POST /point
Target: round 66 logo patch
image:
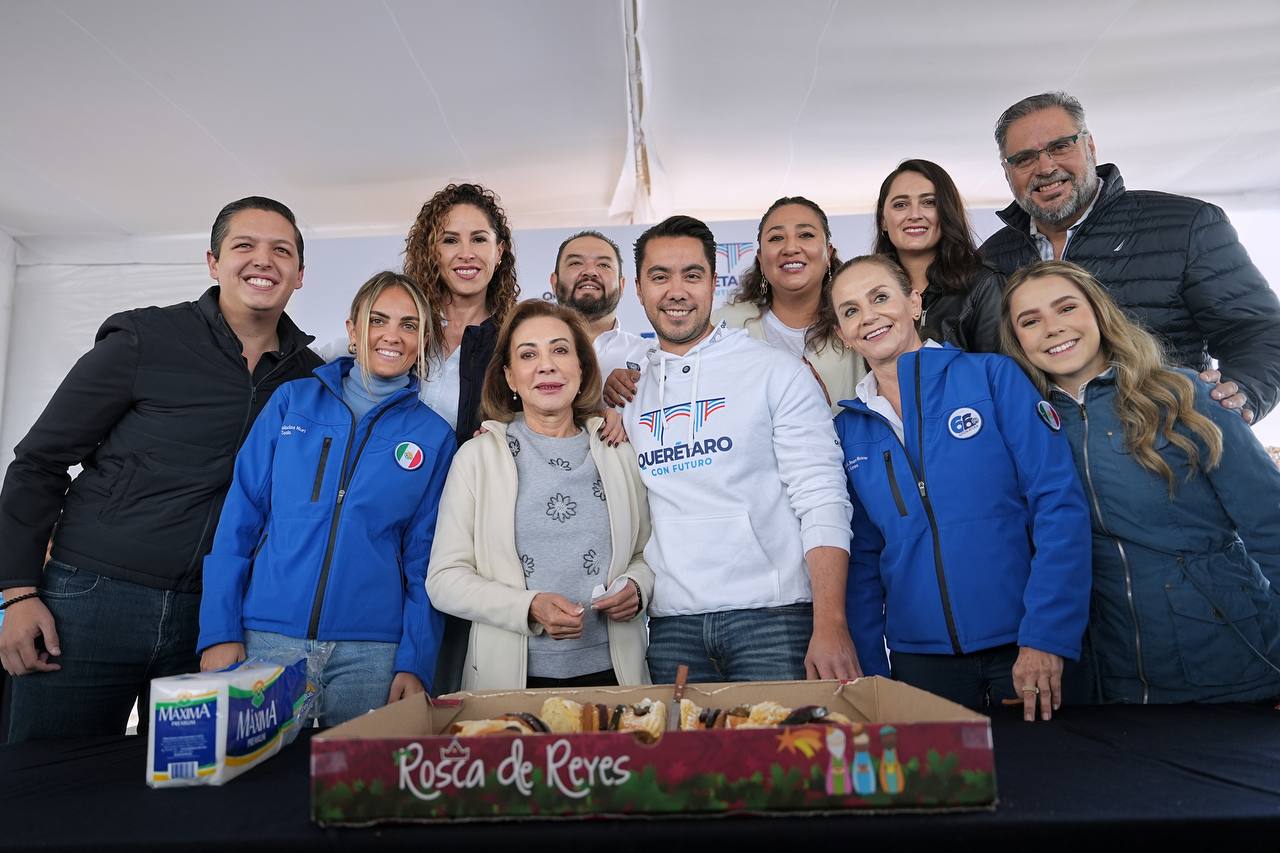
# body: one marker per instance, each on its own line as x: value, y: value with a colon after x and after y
x: 964, y: 423
x: 1049, y: 415
x: 409, y: 456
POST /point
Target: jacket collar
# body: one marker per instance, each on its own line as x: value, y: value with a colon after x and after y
x: 1112, y: 188
x: 291, y: 337
x: 938, y: 358
x: 332, y: 374
x: 1099, y: 384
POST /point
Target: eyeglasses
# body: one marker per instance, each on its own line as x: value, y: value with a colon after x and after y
x: 1058, y: 148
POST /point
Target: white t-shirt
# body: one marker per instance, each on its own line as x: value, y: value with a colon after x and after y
x: 444, y: 384
x: 868, y: 391
x: 778, y: 334
x: 619, y: 348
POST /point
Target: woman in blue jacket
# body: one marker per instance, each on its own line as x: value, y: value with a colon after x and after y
x: 324, y: 539
x: 1186, y: 503
x: 970, y: 552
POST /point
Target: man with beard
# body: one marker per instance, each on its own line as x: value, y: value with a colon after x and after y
x: 588, y: 278
x: 1173, y: 263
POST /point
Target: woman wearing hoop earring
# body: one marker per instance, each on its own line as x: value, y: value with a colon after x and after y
x: 783, y: 299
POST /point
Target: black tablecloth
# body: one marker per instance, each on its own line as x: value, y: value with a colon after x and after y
x: 1120, y: 773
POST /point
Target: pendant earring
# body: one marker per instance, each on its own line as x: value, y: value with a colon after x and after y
x: 764, y: 286
x: 352, y: 349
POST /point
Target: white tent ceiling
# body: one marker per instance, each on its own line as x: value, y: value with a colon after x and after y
x: 142, y: 117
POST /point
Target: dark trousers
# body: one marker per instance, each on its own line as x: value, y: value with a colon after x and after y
x: 978, y: 680
x: 603, y: 678
x: 115, y: 637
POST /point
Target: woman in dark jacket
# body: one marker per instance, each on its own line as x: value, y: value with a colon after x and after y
x: 921, y: 224
x: 1185, y: 501
x: 459, y: 252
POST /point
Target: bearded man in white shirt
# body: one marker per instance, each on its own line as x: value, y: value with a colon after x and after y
x: 588, y: 278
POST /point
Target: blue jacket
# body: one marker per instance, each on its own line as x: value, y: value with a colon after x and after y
x: 972, y: 532
x: 327, y: 528
x: 1198, y: 598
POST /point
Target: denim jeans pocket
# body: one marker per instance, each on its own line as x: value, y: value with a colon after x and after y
x: 63, y: 581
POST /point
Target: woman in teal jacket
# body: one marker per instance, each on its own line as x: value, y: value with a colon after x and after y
x: 970, y: 534
x: 1186, y: 503
x: 323, y: 543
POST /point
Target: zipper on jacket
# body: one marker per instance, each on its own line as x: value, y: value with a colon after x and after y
x: 244, y: 430
x: 893, y: 483
x: 933, y: 521
x: 344, y: 481
x: 1124, y: 558
x: 324, y: 457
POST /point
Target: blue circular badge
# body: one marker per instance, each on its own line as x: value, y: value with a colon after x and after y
x: 964, y: 423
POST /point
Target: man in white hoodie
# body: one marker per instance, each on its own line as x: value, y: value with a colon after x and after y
x: 750, y: 512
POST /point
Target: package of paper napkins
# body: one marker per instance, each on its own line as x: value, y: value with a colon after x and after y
x: 209, y: 727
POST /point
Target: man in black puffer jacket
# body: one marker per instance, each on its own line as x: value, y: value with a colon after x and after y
x: 1173, y: 263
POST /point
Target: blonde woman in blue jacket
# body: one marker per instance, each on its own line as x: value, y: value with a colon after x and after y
x: 1185, y: 501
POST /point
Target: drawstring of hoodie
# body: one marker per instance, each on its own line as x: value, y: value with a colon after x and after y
x: 693, y: 396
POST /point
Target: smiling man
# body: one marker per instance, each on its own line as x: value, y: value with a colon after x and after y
x: 750, y: 544
x: 588, y: 278
x: 1173, y: 263
x: 155, y: 413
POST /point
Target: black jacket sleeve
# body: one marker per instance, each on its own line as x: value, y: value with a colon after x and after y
x: 980, y: 316
x: 1234, y: 307
x: 92, y: 398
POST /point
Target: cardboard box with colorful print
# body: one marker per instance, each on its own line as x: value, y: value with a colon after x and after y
x: 900, y: 749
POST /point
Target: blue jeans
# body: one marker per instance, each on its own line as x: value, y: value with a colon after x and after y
x: 354, y: 675
x: 115, y: 637
x: 768, y: 644
x: 978, y: 680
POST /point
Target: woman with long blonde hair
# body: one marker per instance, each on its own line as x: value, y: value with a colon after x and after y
x: 1185, y: 501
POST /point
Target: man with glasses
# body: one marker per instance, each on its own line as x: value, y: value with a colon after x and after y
x: 1173, y: 263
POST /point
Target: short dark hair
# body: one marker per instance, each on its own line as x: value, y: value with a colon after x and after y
x: 589, y: 233
x: 679, y: 226
x: 1034, y: 104
x: 254, y: 202
x: 497, y: 400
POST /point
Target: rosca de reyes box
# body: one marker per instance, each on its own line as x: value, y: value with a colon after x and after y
x: 873, y: 745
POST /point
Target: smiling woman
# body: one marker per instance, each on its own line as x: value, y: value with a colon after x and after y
x: 980, y: 593
x: 921, y: 224
x: 339, y: 479
x: 1186, y: 549
x: 543, y: 524
x: 459, y: 252
x: 782, y: 297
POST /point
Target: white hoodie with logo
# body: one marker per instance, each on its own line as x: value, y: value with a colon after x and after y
x: 736, y: 446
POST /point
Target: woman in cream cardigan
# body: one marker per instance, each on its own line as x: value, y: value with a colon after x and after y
x: 536, y: 513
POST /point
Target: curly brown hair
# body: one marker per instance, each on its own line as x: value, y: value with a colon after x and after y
x: 752, y: 287
x: 421, y: 265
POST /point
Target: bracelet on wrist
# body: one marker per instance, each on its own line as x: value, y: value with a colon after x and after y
x: 15, y: 600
